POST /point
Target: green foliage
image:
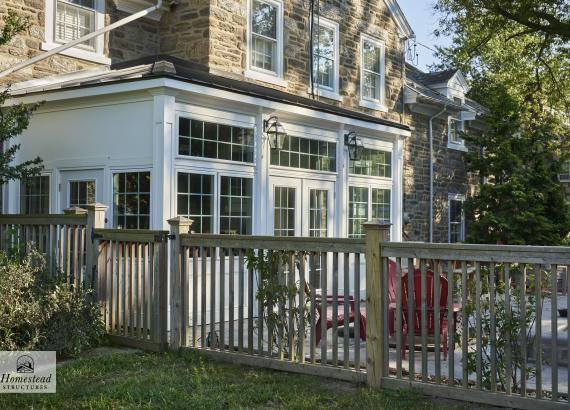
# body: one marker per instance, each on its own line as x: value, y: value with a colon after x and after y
x: 275, y: 288
x: 508, y: 325
x: 44, y: 313
x: 520, y: 200
x: 14, y: 119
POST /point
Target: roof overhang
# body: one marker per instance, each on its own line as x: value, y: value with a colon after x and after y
x: 404, y: 28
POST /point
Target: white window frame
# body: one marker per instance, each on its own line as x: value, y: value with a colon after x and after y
x: 566, y: 171
x: 457, y: 198
x: 49, y: 194
x: 256, y: 73
x: 111, y: 193
x: 320, y: 90
x: 458, y: 143
x: 96, y: 55
x: 374, y: 104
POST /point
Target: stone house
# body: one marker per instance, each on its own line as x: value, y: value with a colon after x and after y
x: 265, y: 117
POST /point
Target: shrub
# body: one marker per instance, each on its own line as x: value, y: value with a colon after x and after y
x: 40, y: 312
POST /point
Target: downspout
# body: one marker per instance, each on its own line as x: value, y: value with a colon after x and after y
x: 431, y: 171
x: 86, y: 37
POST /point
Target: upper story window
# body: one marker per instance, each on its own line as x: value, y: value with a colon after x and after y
x: 372, y: 79
x: 305, y: 153
x: 454, y: 129
x: 326, y: 59
x: 209, y: 140
x: 265, y: 43
x: 374, y: 163
x: 68, y: 20
x: 456, y: 218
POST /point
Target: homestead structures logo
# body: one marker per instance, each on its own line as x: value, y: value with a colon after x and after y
x: 27, y: 372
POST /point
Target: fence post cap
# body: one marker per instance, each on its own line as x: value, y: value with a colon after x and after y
x: 376, y: 224
x: 75, y: 210
x: 180, y: 221
x: 96, y: 207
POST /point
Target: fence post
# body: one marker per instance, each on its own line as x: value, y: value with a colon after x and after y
x: 178, y: 226
x: 376, y: 232
x: 95, y: 220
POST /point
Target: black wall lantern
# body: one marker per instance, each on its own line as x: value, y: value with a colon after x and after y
x: 275, y: 132
x: 355, y: 146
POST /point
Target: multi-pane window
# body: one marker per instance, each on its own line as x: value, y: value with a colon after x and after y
x: 196, y: 200
x: 357, y: 211
x: 34, y: 195
x: 81, y: 193
x: 456, y: 221
x: 209, y: 140
x: 372, y: 71
x: 362, y: 202
x: 236, y: 196
x: 284, y: 211
x: 372, y: 163
x: 381, y: 204
x: 305, y: 153
x: 455, y: 128
x: 318, y: 217
x: 131, y: 200
x: 325, y: 55
x: 264, y: 35
x: 74, y: 19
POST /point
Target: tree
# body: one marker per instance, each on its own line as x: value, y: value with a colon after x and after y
x: 520, y: 200
x: 14, y: 119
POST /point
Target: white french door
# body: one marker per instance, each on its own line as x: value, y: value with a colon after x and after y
x: 301, y: 207
x: 80, y: 188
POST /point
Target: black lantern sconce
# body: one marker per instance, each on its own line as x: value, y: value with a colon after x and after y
x: 275, y: 132
x: 355, y: 146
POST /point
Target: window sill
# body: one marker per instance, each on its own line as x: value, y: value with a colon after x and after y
x: 457, y: 146
x: 373, y: 105
x: 331, y: 95
x: 266, y: 78
x: 78, y: 53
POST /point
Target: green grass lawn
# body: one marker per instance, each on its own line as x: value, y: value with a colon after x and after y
x: 187, y: 380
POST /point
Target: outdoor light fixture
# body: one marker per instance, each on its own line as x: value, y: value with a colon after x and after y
x: 275, y: 132
x: 355, y: 146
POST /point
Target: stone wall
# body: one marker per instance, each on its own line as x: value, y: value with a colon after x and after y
x: 136, y: 39
x: 450, y: 177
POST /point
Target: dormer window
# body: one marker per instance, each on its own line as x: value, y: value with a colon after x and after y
x: 265, y: 43
x: 68, y: 20
x: 372, y: 81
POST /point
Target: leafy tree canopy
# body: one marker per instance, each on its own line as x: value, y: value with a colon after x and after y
x: 14, y: 119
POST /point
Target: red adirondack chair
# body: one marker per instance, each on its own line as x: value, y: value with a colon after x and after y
x: 412, y: 322
x: 340, y: 317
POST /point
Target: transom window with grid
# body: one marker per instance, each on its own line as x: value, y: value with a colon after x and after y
x: 373, y: 163
x: 131, y: 200
x: 305, y: 153
x: 75, y: 19
x: 34, y: 195
x: 265, y: 18
x: 218, y: 141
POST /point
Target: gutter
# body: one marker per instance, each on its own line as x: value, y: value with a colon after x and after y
x: 431, y: 159
x: 86, y: 37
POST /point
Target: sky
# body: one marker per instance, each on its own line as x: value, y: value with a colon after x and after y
x: 421, y: 17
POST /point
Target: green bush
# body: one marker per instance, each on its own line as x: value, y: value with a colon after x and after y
x: 39, y: 312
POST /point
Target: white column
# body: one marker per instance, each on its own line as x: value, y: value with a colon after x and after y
x: 162, y: 177
x: 261, y: 183
x: 398, y: 190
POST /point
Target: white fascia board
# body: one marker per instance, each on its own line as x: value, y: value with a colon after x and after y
x: 151, y: 85
x: 404, y: 26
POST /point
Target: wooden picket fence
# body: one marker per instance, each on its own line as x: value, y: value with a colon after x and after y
x: 302, y: 304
